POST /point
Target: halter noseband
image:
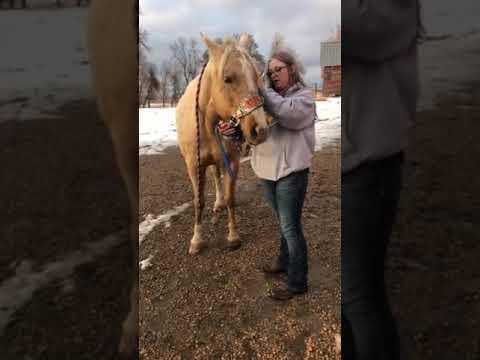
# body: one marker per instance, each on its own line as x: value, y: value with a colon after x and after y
x: 246, y: 107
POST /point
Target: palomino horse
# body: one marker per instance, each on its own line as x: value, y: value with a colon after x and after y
x: 112, y: 40
x: 229, y: 82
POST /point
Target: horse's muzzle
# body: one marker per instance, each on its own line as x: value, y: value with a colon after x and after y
x: 257, y: 135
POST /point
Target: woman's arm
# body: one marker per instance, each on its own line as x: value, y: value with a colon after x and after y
x: 292, y: 112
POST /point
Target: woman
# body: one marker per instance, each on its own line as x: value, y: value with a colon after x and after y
x: 282, y: 163
x: 379, y: 81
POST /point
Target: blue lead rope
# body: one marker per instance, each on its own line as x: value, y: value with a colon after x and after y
x: 226, y: 160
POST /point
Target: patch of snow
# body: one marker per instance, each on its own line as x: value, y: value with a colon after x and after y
x: 146, y: 263
x: 328, y: 127
x: 17, y: 290
x: 156, y: 130
x: 150, y: 222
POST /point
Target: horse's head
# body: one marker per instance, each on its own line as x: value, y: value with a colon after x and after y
x: 234, y: 86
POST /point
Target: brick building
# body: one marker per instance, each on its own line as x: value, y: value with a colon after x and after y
x: 331, y: 63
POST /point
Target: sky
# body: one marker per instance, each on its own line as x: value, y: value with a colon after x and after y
x: 303, y: 23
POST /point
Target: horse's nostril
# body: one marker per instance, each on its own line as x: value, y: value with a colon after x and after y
x: 254, y: 133
x: 259, y: 132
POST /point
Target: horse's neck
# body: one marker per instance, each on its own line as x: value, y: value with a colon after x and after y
x: 205, y: 103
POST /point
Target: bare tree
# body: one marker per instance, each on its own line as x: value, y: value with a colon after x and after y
x: 143, y: 66
x: 175, y: 83
x: 143, y: 39
x: 153, y: 84
x: 142, y: 75
x: 186, y: 55
x: 163, y: 77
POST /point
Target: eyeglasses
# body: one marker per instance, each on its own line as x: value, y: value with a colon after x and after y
x: 276, y: 70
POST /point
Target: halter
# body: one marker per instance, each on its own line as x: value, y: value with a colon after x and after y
x: 248, y: 105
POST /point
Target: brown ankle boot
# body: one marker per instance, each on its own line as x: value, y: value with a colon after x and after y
x: 273, y: 268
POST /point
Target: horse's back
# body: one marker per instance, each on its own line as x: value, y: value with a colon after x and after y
x: 185, y: 118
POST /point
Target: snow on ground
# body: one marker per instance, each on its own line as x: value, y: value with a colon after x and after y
x: 145, y: 264
x: 147, y: 225
x: 157, y: 127
x: 156, y: 130
x: 18, y: 289
x: 328, y: 128
x: 43, y: 62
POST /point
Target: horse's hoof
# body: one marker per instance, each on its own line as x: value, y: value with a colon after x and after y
x: 195, y: 248
x: 218, y: 208
x: 233, y: 245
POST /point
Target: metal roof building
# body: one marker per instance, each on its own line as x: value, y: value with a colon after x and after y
x: 330, y: 53
x: 331, y: 64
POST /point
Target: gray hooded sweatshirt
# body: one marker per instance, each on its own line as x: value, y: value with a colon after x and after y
x: 379, y: 78
x: 291, y: 142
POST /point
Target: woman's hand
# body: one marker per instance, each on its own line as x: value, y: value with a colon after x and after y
x: 226, y: 130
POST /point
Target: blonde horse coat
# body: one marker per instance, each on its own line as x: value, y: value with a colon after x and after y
x: 112, y: 40
x: 230, y: 76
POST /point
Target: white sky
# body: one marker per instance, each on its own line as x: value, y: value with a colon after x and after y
x: 303, y: 23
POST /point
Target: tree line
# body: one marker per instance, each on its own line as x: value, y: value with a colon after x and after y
x: 166, y: 82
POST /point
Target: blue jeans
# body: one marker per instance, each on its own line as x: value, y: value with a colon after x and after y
x: 286, y: 197
x: 370, y: 197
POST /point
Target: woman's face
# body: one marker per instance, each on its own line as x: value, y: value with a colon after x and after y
x: 279, y: 75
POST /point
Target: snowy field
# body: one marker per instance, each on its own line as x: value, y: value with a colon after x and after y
x: 43, y: 61
x: 157, y: 127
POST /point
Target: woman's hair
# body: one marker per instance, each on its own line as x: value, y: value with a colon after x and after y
x: 289, y: 57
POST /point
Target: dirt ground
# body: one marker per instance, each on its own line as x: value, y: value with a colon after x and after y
x: 61, y: 191
x: 61, y: 194
x: 433, y: 266
x: 215, y: 305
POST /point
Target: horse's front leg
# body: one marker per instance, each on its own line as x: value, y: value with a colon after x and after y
x: 198, y: 186
x: 219, y: 197
x: 233, y: 242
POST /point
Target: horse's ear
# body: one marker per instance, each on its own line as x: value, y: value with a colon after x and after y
x: 245, y: 41
x: 215, y: 50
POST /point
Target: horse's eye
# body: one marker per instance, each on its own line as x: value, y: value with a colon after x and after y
x: 227, y: 79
